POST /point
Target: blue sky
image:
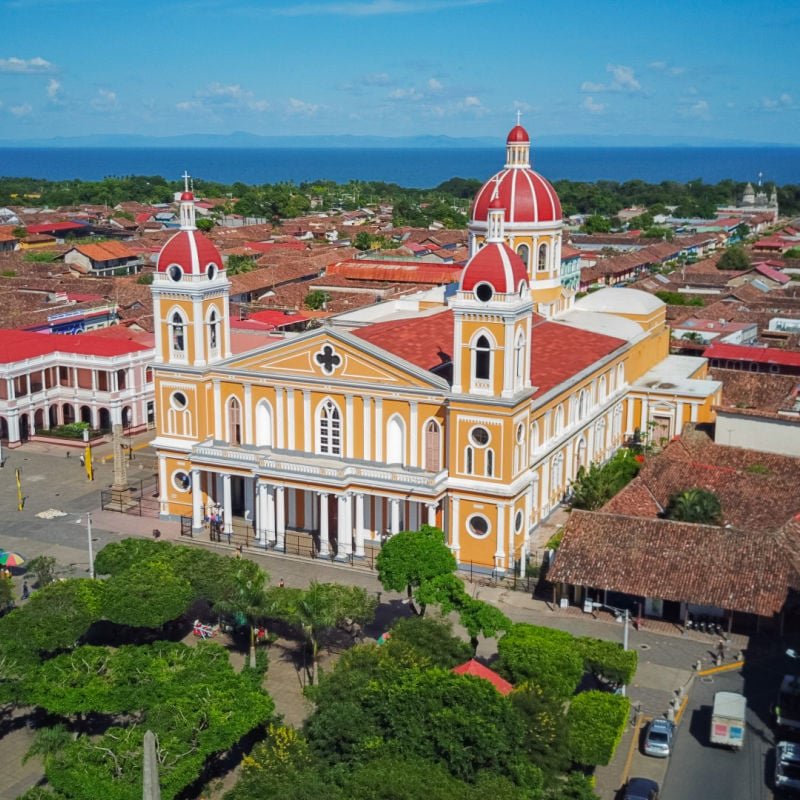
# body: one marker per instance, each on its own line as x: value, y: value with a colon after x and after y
x: 724, y: 70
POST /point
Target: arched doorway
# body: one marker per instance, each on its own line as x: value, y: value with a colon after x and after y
x: 68, y: 413
x: 3, y: 428
x: 105, y: 419
x: 38, y: 419
x: 86, y: 414
x: 53, y: 416
x: 24, y: 428
x: 127, y: 417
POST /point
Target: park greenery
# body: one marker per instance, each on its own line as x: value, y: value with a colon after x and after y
x: 102, y: 662
x: 595, y: 486
x: 446, y: 203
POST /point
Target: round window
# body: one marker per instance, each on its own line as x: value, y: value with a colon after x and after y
x: 175, y: 272
x: 518, y: 522
x: 478, y: 526
x: 211, y: 271
x: 181, y: 481
x: 484, y: 292
x: 178, y: 400
x: 479, y: 436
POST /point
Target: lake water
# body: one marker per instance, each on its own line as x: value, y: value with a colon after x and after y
x: 420, y: 168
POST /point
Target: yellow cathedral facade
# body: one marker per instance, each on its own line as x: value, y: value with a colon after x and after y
x: 470, y: 407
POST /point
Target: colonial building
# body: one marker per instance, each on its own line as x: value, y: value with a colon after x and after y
x: 470, y: 407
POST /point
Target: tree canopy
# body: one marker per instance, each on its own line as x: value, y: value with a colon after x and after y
x: 695, y: 505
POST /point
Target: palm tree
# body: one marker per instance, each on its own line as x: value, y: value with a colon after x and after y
x: 695, y: 505
x: 245, y: 598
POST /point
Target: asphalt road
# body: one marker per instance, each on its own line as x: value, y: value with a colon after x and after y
x: 700, y: 771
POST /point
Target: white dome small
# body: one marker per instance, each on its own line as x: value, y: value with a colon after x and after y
x: 616, y: 300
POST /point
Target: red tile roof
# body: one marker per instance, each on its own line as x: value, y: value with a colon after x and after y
x: 396, y: 271
x: 759, y: 355
x: 473, y: 667
x: 46, y: 227
x: 16, y: 345
x: 105, y: 251
x: 275, y: 318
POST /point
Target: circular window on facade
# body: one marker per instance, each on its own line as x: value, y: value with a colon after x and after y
x: 518, y: 519
x: 211, y: 271
x: 484, y: 292
x: 479, y: 436
x: 175, y: 272
x: 478, y: 526
x: 178, y: 400
x: 181, y: 481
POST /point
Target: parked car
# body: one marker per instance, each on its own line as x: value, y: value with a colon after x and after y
x: 787, y: 765
x: 641, y: 789
x: 658, y: 738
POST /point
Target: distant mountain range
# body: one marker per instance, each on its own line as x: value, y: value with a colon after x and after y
x: 242, y: 140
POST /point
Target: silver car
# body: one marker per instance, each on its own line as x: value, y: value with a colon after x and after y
x: 658, y: 739
x: 787, y: 766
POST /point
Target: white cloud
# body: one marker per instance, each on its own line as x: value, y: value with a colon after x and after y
x: 783, y: 102
x: 21, y: 65
x: 104, y: 99
x: 374, y: 8
x: 434, y: 85
x: 189, y: 105
x: 21, y: 111
x: 53, y: 88
x: 521, y: 105
x: 472, y: 102
x: 623, y: 79
x: 405, y: 94
x: 296, y: 106
x: 700, y: 109
x: 663, y: 66
x: 218, y: 96
x: 593, y: 107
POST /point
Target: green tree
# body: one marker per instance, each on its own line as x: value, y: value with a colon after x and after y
x: 6, y: 593
x: 595, y: 486
x: 410, y: 558
x: 205, y: 224
x: 246, y: 598
x: 695, y: 505
x: 596, y: 224
x: 238, y: 264
x: 596, y: 722
x: 316, y: 300
x: 607, y: 660
x: 482, y: 619
x: 734, y: 258
x: 431, y: 641
x: 362, y: 240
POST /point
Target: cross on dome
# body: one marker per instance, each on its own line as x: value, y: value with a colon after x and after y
x: 186, y: 177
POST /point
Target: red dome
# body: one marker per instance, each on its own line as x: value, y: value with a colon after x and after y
x: 526, y: 196
x: 496, y: 264
x: 187, y: 196
x: 518, y: 135
x: 191, y: 251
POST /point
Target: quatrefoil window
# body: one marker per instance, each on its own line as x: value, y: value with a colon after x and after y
x: 328, y: 359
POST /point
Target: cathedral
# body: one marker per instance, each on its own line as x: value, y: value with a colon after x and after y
x: 469, y: 407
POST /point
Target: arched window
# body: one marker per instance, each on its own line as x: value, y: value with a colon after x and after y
x: 490, y: 462
x: 213, y: 333
x: 432, y: 447
x: 557, y: 474
x: 469, y: 461
x: 177, y: 336
x: 534, y: 436
x: 602, y: 391
x: 263, y: 424
x: 583, y: 404
x: 558, y: 428
x: 523, y: 251
x: 599, y: 438
x: 395, y: 441
x: 519, y: 362
x: 234, y: 421
x: 483, y: 359
x: 542, y: 265
x: 330, y: 429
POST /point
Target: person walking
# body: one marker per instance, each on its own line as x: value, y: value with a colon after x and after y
x: 25, y: 591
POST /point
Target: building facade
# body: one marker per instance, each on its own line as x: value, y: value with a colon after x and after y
x: 470, y: 409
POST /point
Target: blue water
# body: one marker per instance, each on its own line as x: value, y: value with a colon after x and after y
x: 420, y: 168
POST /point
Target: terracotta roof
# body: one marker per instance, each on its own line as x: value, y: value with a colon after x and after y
x: 473, y: 667
x: 16, y: 345
x: 754, y: 390
x: 682, y: 562
x: 395, y: 271
x: 105, y: 251
x: 757, y: 355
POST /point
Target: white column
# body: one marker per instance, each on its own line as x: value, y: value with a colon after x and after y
x: 323, y: 524
x: 629, y: 424
x: 500, y: 552
x: 307, y: 428
x: 291, y: 501
x: 249, y: 436
x: 379, y: 524
x: 248, y: 498
x: 644, y: 418
x: 271, y: 536
x: 218, y: 435
x: 395, y: 519
x: 378, y: 429
x: 679, y: 418
x: 280, y: 419
x: 348, y: 426
x: 695, y: 406
x: 431, y: 514
x: 413, y: 516
x: 280, y: 516
x: 226, y: 504
x: 455, y: 528
x: 367, y: 428
x: 162, y: 475
x: 360, y: 525
x: 290, y: 421
x: 197, y: 501
x: 308, y: 510
x: 261, y: 513
x: 344, y: 533
x: 413, y: 434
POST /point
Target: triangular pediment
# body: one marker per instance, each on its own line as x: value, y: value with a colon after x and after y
x: 335, y: 357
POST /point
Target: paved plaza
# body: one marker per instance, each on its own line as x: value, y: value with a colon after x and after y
x: 54, y: 522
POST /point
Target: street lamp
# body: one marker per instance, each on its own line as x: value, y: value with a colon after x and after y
x: 89, y: 538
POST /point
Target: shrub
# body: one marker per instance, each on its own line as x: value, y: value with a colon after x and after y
x: 596, y: 721
x: 429, y: 640
x: 607, y: 660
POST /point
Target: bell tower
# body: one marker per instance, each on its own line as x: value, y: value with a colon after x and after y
x: 190, y: 289
x: 492, y: 325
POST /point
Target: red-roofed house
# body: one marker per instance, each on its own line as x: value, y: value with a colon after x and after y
x: 48, y: 380
x: 754, y: 359
x: 475, y: 668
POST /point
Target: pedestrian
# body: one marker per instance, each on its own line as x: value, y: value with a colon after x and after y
x: 239, y: 551
x: 25, y: 591
x: 83, y: 460
x: 281, y: 584
x: 721, y: 649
